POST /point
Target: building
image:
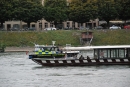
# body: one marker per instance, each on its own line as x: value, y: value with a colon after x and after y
x: 41, y: 24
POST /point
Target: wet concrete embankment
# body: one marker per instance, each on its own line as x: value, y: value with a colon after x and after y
x: 19, y: 49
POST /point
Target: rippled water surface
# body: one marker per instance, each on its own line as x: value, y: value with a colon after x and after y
x: 16, y: 70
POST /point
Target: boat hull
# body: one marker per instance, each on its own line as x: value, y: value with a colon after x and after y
x: 82, y: 62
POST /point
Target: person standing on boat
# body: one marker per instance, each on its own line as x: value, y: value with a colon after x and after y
x: 88, y: 57
x: 126, y: 55
x: 81, y: 57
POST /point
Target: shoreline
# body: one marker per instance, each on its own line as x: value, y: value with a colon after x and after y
x: 19, y: 49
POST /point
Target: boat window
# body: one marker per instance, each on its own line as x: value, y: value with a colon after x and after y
x: 69, y: 55
x: 103, y: 53
x: 95, y: 54
x: 110, y: 53
x: 117, y: 53
x: 100, y: 53
x: 121, y: 53
x: 56, y: 49
x: 37, y: 48
x: 113, y: 53
x: 41, y: 48
x: 52, y: 49
x: 47, y: 48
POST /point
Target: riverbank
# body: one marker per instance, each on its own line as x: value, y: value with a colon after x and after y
x: 19, y: 49
x: 62, y: 37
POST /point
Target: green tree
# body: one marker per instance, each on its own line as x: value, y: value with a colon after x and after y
x: 124, y: 11
x: 55, y: 11
x: 5, y: 11
x: 107, y: 10
x: 27, y: 11
x: 82, y: 11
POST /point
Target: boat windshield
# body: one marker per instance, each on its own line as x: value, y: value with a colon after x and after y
x: 47, y: 48
x: 54, y: 49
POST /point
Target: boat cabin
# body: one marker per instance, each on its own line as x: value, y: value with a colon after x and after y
x: 111, y: 53
x: 42, y: 49
x: 115, y: 51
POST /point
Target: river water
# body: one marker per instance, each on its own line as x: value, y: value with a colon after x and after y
x: 16, y: 70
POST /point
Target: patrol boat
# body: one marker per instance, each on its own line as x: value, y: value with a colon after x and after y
x: 102, y: 55
x: 50, y: 51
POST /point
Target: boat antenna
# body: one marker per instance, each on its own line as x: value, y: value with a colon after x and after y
x: 53, y: 43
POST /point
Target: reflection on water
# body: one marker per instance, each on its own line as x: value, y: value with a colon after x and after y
x: 19, y: 71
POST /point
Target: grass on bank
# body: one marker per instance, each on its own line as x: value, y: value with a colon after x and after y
x: 63, y: 37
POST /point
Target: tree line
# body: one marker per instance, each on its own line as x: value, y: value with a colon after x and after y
x: 58, y: 11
